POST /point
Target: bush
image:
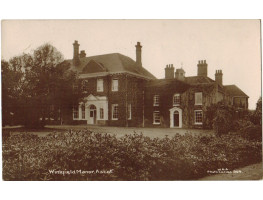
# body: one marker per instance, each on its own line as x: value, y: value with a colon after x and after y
x: 223, y: 122
x: 131, y: 157
x: 252, y: 132
x: 239, y: 125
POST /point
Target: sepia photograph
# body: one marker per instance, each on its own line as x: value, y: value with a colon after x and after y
x: 131, y: 100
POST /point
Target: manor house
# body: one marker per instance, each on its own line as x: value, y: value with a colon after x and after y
x: 121, y: 92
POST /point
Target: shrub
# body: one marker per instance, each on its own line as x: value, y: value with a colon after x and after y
x: 238, y: 125
x: 252, y: 132
x: 222, y: 122
x: 132, y: 157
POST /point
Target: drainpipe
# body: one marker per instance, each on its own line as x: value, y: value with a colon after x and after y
x: 143, y: 108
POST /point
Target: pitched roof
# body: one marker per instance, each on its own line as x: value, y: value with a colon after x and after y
x: 114, y: 62
x: 233, y: 90
x: 177, y: 85
x: 198, y: 79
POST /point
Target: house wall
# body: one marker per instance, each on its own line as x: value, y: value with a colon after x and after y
x: 240, y: 102
x: 209, y: 96
x: 130, y: 91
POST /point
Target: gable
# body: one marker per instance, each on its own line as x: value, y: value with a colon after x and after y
x: 233, y: 90
x: 93, y: 67
x: 95, y: 98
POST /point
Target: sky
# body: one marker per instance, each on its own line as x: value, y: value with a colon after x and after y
x: 230, y: 45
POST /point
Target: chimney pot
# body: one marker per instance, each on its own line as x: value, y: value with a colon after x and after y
x: 138, y: 54
x: 169, y: 72
x: 219, y: 77
x: 76, y: 60
x: 202, y: 68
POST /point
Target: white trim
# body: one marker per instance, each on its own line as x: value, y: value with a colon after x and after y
x: 172, y: 110
x: 177, y: 95
x: 156, y: 123
x: 98, y: 102
x: 129, y: 111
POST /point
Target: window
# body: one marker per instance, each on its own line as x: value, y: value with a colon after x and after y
x: 198, y: 98
x: 83, y: 111
x: 198, y: 117
x: 176, y: 99
x: 75, y: 112
x: 99, y: 85
x: 101, y: 113
x: 115, y: 111
x: 84, y: 85
x: 129, y: 111
x: 156, y: 100
x: 115, y: 85
x: 75, y: 87
x: 156, y: 117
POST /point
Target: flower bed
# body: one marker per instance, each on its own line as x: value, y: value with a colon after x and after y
x: 83, y: 155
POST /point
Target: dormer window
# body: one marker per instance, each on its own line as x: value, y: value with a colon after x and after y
x: 176, y: 99
x: 100, y: 85
x: 156, y: 100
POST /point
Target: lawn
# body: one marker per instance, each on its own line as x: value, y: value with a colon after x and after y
x: 118, y: 131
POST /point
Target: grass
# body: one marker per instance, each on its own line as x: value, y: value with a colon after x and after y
x: 118, y: 131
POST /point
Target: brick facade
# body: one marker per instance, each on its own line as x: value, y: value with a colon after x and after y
x: 183, y: 101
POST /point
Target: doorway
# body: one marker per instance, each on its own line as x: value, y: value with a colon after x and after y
x: 176, y: 118
x: 92, y: 115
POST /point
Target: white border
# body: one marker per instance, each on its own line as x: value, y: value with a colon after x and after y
x: 135, y: 9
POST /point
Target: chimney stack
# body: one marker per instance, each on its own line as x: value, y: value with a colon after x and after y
x: 82, y: 54
x: 169, y: 71
x: 202, y: 68
x: 219, y: 77
x: 138, y: 54
x: 76, y: 53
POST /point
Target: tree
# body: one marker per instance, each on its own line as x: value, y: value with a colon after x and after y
x: 256, y: 116
x: 45, y: 86
x: 220, y: 117
x: 12, y: 76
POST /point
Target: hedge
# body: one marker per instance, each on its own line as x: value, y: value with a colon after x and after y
x: 131, y: 157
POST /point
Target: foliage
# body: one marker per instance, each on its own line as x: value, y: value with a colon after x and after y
x: 252, y: 132
x: 223, y: 122
x: 11, y: 82
x: 131, y: 157
x: 220, y: 117
x: 40, y: 85
x: 256, y: 116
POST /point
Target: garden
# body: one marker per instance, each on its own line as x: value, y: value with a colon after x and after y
x: 84, y: 155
